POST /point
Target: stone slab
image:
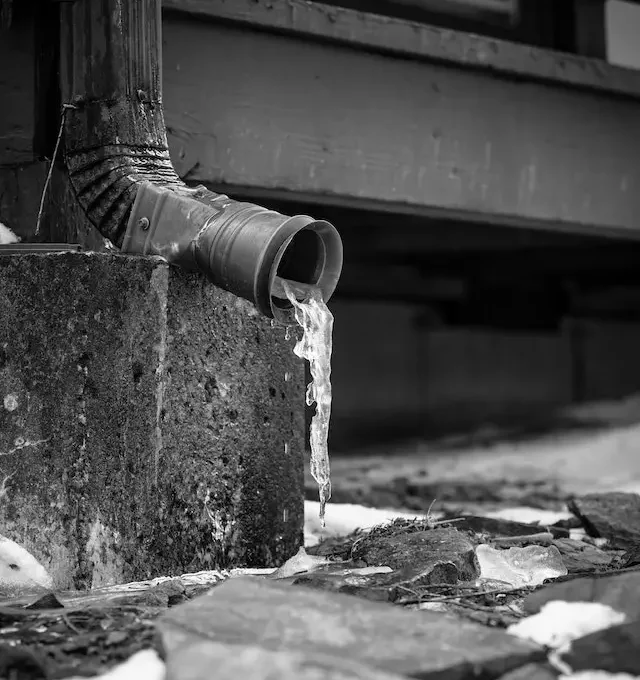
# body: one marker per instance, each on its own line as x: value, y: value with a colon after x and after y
x: 618, y: 590
x: 614, y: 650
x: 253, y: 611
x: 150, y: 423
x: 193, y: 660
x: 614, y: 516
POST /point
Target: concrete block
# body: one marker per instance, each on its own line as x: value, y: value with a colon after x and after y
x: 150, y: 423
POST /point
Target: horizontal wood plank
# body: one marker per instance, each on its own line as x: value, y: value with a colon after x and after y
x: 314, y: 20
x: 277, y: 113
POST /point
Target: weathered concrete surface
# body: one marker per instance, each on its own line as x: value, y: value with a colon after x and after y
x: 149, y: 422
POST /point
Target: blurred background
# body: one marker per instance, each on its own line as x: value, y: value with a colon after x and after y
x: 450, y: 330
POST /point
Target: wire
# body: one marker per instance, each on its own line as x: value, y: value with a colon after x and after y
x: 63, y: 115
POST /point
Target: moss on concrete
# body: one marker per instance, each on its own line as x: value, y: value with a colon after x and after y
x: 151, y: 423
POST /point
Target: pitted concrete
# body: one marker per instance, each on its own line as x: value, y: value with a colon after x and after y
x: 150, y: 423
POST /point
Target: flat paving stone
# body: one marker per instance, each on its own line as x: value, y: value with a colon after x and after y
x: 189, y: 660
x: 418, y: 644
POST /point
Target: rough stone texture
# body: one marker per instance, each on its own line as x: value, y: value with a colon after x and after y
x: 614, y: 650
x: 149, y: 422
x: 615, y: 516
x: 425, y: 557
x: 581, y: 557
x: 620, y: 591
x: 193, y: 660
x: 253, y: 611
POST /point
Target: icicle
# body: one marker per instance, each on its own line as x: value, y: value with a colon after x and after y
x: 315, y: 346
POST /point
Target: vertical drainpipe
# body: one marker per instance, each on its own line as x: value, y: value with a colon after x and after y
x: 117, y: 158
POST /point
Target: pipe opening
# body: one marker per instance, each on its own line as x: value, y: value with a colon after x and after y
x: 303, y: 261
x: 312, y: 256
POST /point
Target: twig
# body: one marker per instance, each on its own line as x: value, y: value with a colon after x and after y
x: 449, y: 598
x: 63, y: 115
x: 76, y: 630
x: 541, y: 538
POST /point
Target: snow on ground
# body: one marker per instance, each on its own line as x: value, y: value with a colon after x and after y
x: 342, y: 519
x: 559, y: 623
x: 7, y: 236
x: 579, y: 462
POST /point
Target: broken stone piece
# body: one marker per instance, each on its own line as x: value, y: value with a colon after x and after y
x: 276, y: 617
x: 618, y: 590
x: 48, y: 601
x: 432, y: 555
x: 614, y: 516
x: 579, y: 556
x: 613, y: 649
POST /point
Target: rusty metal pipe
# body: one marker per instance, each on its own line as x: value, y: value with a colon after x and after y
x: 117, y: 158
x: 240, y: 247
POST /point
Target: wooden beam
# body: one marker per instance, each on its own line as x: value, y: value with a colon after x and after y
x: 389, y: 35
x: 273, y: 113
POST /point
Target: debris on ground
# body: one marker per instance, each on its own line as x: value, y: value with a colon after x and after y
x: 516, y: 593
x: 292, y: 618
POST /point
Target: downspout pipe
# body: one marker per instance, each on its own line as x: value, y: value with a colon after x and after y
x: 117, y: 158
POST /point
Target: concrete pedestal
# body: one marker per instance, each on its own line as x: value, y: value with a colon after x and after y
x: 150, y: 423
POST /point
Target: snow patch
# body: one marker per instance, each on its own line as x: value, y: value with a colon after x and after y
x: 343, y: 519
x: 143, y: 664
x: 7, y: 236
x: 20, y: 571
x: 559, y: 623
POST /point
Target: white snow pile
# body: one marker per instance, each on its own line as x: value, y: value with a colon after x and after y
x: 20, y: 571
x: 7, y: 236
x: 143, y: 665
x: 558, y: 623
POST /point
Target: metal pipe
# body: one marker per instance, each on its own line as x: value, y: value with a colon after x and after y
x: 118, y: 162
x: 240, y: 247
